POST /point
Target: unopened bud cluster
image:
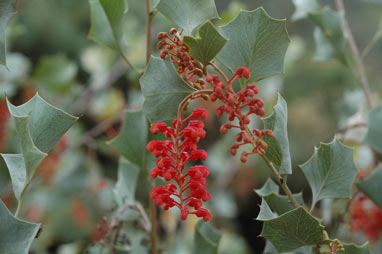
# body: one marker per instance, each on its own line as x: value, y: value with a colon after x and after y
x: 234, y: 105
x: 189, y: 189
x: 171, y: 45
x: 335, y: 246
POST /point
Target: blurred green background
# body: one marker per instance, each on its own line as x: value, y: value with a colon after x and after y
x: 49, y: 52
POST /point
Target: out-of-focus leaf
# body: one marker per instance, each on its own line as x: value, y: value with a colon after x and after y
x: 374, y: 133
x: 188, y: 14
x: 303, y: 7
x: 280, y: 204
x: 351, y: 248
x: 16, y: 235
x: 330, y: 171
x: 265, y: 211
x: 278, y: 146
x: 55, y: 73
x: 127, y: 180
x: 324, y: 51
x: 106, y: 19
x: 329, y: 22
x: 207, y: 46
x: 7, y: 9
x: 256, y: 41
x: 39, y: 127
x: 372, y: 186
x: 206, y: 238
x: 268, y: 187
x: 131, y: 141
x: 163, y: 90
x: 270, y: 249
x: 292, y: 230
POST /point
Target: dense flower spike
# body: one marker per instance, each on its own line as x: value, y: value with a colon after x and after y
x: 234, y: 105
x: 190, y: 188
x: 172, y: 45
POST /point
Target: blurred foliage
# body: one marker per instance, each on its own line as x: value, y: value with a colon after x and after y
x: 49, y: 53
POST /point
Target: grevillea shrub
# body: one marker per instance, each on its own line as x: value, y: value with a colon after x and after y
x: 169, y: 177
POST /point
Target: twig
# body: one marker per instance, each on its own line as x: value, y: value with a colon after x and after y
x: 356, y: 55
x: 149, y: 18
x: 352, y: 126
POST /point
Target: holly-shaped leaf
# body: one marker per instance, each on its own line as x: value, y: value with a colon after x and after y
x: 256, y: 41
x: 351, y: 248
x: 131, y: 141
x: 303, y: 7
x: 7, y: 9
x: 188, y: 14
x: 331, y: 171
x: 278, y: 146
x: 39, y: 127
x: 163, y: 90
x: 334, y: 42
x: 292, y: 230
x: 280, y: 204
x: 127, y: 179
x: 106, y: 20
x: 16, y: 235
x: 372, y: 187
x: 268, y: 187
x: 207, y: 46
x: 265, y: 211
x: 206, y: 238
x: 374, y: 133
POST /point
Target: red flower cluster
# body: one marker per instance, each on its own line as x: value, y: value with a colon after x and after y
x: 173, y: 154
x: 190, y: 69
x: 4, y: 115
x: 234, y: 103
x: 366, y: 217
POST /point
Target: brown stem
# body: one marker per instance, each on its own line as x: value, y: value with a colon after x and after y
x: 355, y: 53
x: 219, y: 71
x: 189, y: 97
x: 149, y: 18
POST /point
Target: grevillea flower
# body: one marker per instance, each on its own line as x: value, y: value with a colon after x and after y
x: 234, y: 104
x: 190, y: 69
x: 187, y: 189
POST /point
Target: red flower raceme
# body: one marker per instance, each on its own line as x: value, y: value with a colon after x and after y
x: 366, y: 217
x: 234, y: 105
x: 189, y: 189
x: 190, y: 69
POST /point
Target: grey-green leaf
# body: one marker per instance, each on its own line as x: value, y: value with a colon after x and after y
x: 351, y: 248
x: 292, y: 230
x: 329, y: 22
x: 331, y: 171
x: 39, y: 126
x: 207, y: 46
x: 206, y: 238
x: 55, y: 74
x: 106, y: 20
x: 188, y: 14
x: 303, y: 7
x: 131, y: 141
x: 280, y: 204
x: 372, y: 187
x: 163, y: 90
x: 270, y: 249
x: 265, y: 212
x: 374, y: 133
x: 278, y: 146
x: 127, y: 180
x: 7, y: 9
x: 268, y: 187
x: 16, y: 235
x: 256, y: 41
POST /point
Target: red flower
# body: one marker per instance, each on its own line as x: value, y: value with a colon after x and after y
x: 189, y: 189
